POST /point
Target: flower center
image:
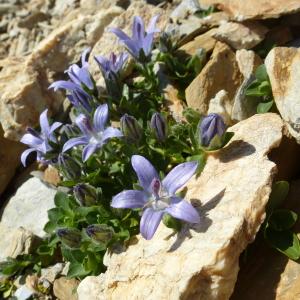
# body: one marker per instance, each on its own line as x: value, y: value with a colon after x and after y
x: 96, y: 137
x: 159, y: 199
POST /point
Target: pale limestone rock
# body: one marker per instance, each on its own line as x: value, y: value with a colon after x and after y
x: 15, y: 241
x: 222, y: 105
x: 24, y: 95
x: 66, y: 43
x: 28, y: 207
x: 9, y: 160
x: 109, y: 43
x: 201, y: 262
x: 245, y: 106
x: 65, y: 289
x: 24, y: 82
x: 255, y: 9
x: 241, y: 36
x: 203, y: 41
x: 221, y: 72
x: 283, y: 67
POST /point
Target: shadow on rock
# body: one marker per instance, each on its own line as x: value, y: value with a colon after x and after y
x: 205, y: 221
x: 235, y: 150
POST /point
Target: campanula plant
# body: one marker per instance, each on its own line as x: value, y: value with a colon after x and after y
x: 99, y: 159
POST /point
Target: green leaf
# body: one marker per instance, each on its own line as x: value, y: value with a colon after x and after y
x: 54, y: 214
x: 264, y: 107
x: 279, y: 192
x: 282, y: 219
x: 171, y: 222
x: 261, y: 73
x: 265, y: 88
x: 286, y: 242
x: 45, y: 250
x: 77, y: 270
x: 50, y: 227
x: 62, y: 200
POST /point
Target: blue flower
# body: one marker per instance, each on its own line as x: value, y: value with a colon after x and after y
x: 79, y: 78
x: 141, y: 42
x: 39, y: 142
x: 94, y: 134
x: 158, y: 197
x: 111, y: 67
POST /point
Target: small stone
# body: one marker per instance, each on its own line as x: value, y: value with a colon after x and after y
x: 202, y: 261
x: 241, y: 36
x: 203, y: 41
x: 221, y: 105
x: 51, y: 175
x: 65, y: 289
x: 282, y: 65
x: 184, y: 9
x: 245, y: 106
x: 52, y: 272
x: 255, y: 9
x: 248, y: 61
x: 23, y: 293
x: 15, y: 241
x: 28, y: 207
x: 213, y: 78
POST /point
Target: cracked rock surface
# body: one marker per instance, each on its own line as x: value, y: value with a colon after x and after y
x: 202, y: 261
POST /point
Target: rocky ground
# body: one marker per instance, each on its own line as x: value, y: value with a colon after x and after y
x: 41, y: 38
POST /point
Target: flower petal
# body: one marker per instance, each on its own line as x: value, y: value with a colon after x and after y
x: 149, y: 222
x: 66, y: 85
x: 145, y: 171
x: 183, y: 210
x: 119, y: 33
x: 31, y: 140
x: 101, y: 117
x: 74, y: 142
x: 138, y: 28
x: 178, y: 176
x: 129, y: 199
x: 88, y: 151
x: 25, y: 154
x: 109, y: 133
x: 84, y: 57
x: 54, y: 126
x: 151, y: 26
x: 44, y: 123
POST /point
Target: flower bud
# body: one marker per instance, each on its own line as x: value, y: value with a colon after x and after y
x: 211, y: 127
x: 100, y: 233
x: 85, y: 194
x: 159, y: 126
x: 70, y: 237
x: 69, y: 166
x: 131, y: 128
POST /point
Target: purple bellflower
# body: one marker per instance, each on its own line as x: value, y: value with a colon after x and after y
x: 158, y: 197
x: 141, y: 42
x: 39, y: 142
x: 79, y: 77
x: 94, y: 134
x: 111, y: 67
x: 211, y: 126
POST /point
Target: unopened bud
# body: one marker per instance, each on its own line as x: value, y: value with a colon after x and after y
x: 70, y: 237
x: 69, y: 166
x: 159, y: 126
x: 85, y: 194
x: 131, y: 128
x: 212, y: 127
x: 100, y: 233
